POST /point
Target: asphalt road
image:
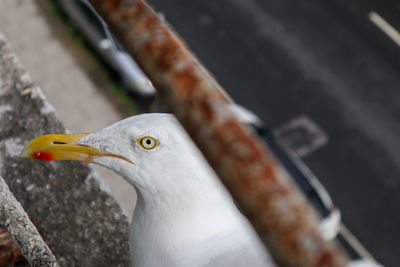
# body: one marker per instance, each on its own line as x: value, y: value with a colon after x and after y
x: 326, y: 60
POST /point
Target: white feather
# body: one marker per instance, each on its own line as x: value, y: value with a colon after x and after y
x: 184, y: 216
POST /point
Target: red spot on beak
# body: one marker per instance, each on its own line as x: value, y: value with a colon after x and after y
x: 43, y: 155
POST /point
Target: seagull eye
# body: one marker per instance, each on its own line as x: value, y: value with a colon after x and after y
x: 147, y: 142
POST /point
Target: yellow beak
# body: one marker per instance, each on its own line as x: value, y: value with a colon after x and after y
x: 63, y: 147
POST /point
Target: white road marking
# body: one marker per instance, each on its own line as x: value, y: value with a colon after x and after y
x: 382, y: 24
x: 301, y: 135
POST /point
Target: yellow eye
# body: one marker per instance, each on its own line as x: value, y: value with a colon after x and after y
x: 147, y: 142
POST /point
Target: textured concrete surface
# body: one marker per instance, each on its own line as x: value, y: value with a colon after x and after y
x: 70, y: 78
x: 84, y: 223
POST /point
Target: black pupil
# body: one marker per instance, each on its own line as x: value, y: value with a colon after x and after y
x: 148, y: 142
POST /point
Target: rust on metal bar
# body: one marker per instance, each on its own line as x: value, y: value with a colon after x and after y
x: 275, y: 207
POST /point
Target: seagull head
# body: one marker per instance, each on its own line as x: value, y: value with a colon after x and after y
x: 151, y: 151
x: 183, y: 214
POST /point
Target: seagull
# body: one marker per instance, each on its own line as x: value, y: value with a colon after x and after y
x: 184, y: 216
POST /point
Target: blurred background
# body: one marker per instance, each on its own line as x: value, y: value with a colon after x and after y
x: 323, y: 76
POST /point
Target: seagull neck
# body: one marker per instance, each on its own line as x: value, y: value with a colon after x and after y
x: 184, y: 192
x: 182, y: 186
x: 197, y: 210
x: 180, y: 198
x: 176, y: 227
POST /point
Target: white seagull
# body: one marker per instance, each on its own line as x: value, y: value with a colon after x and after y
x: 184, y: 216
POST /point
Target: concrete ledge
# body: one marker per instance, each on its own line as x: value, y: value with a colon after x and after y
x: 84, y: 223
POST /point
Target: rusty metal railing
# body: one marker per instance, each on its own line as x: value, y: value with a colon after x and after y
x: 275, y: 207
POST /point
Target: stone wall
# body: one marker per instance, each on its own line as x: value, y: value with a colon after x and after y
x: 85, y: 224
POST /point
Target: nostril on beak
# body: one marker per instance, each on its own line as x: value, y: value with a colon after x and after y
x: 59, y: 143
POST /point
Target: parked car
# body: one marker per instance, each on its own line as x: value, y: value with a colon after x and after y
x: 314, y: 191
x: 83, y: 16
x: 330, y: 224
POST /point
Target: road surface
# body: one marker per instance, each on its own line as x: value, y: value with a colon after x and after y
x: 330, y: 62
